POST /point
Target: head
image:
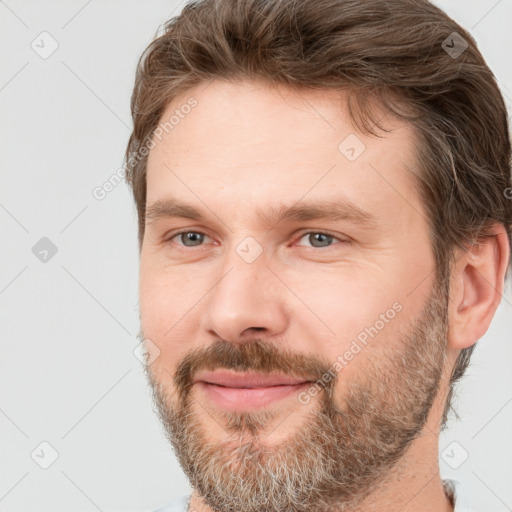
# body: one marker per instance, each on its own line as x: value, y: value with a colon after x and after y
x: 254, y: 123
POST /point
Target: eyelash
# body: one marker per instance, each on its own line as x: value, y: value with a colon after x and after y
x: 340, y: 240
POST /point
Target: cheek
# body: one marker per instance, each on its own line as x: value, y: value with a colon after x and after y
x: 163, y: 301
x: 165, y: 292
x: 341, y: 301
x: 152, y: 301
x: 167, y: 313
x: 349, y: 319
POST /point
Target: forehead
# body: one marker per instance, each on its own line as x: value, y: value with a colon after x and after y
x: 273, y: 145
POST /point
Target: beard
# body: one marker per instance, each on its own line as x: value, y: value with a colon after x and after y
x: 341, y: 452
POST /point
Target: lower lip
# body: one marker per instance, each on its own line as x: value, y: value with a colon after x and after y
x: 236, y: 399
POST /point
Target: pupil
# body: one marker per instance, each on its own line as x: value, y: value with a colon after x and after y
x: 319, y: 237
x: 193, y: 237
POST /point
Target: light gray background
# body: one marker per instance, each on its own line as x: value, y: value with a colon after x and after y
x: 68, y: 373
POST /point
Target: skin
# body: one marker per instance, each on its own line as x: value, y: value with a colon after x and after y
x: 248, y: 147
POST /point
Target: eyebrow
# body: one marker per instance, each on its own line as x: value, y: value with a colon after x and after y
x: 331, y: 210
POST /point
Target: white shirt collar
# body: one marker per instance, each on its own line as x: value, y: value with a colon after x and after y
x: 452, y: 486
x: 455, y: 488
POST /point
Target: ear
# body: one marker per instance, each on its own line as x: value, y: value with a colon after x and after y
x: 476, y: 288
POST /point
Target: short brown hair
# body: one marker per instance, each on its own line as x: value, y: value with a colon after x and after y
x: 395, y: 51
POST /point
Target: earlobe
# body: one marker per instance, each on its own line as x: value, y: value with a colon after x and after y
x: 477, y: 287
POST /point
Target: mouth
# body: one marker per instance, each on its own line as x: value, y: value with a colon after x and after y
x: 244, y: 391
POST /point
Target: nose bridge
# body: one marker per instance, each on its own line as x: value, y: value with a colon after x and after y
x: 243, y: 296
x: 244, y: 270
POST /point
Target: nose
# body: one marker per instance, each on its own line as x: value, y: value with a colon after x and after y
x: 246, y: 301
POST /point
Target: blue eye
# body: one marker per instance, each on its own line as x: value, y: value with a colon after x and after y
x: 318, y: 239
x: 194, y: 237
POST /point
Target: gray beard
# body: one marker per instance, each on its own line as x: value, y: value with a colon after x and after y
x: 340, y: 454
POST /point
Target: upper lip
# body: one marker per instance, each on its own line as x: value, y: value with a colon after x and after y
x: 246, y: 380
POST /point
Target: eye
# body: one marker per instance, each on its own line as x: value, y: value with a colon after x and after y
x: 316, y: 239
x: 319, y: 239
x: 189, y: 238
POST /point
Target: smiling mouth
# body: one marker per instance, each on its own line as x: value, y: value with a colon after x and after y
x: 236, y: 391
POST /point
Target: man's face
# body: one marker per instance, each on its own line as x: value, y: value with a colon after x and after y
x: 347, y: 301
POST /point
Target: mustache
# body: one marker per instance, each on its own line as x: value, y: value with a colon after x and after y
x: 252, y: 356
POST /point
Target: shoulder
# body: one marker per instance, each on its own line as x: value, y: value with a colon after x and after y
x: 453, y: 487
x: 178, y: 505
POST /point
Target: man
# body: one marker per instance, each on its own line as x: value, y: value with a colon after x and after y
x: 322, y: 189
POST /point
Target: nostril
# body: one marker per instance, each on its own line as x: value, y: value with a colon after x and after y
x: 256, y: 329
